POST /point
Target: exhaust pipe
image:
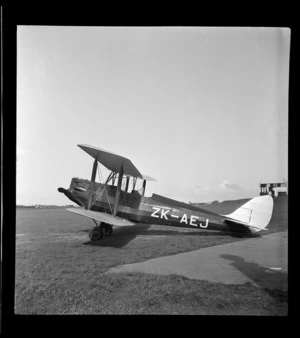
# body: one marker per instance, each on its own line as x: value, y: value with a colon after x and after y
x: 70, y: 196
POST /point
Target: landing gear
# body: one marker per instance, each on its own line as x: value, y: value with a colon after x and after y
x: 107, y: 229
x: 96, y: 234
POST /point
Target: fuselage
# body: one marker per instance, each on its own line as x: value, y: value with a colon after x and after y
x: 141, y: 209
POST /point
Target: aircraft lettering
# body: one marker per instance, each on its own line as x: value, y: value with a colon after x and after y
x: 193, y: 220
x: 155, y: 212
x: 164, y: 213
x: 184, y: 219
x: 204, y: 226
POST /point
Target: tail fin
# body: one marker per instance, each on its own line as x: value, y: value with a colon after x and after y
x: 255, y: 214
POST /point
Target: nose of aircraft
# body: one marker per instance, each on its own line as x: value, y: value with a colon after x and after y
x: 70, y: 195
x: 61, y: 190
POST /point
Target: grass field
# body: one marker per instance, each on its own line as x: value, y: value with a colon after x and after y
x: 59, y: 271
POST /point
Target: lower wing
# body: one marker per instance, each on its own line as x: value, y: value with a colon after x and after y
x: 102, y: 217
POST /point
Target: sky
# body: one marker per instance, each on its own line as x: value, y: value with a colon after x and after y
x: 204, y: 110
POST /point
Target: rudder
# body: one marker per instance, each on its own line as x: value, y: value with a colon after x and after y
x: 255, y: 214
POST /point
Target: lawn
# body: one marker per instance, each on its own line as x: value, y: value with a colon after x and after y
x: 58, y: 270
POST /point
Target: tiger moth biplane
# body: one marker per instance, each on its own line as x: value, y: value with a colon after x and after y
x: 119, y: 202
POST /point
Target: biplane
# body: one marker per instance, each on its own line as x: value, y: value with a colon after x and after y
x: 121, y: 201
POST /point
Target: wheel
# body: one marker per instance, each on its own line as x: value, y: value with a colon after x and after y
x: 106, y: 229
x: 96, y: 234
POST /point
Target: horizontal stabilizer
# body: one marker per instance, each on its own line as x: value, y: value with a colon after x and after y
x: 102, y: 217
x: 255, y: 214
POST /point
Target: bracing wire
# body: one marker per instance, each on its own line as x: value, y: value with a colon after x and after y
x: 97, y: 194
x: 101, y: 178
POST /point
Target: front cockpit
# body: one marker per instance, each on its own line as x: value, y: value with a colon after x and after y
x: 131, y: 192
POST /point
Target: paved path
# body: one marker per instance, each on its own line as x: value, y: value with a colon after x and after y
x: 261, y: 261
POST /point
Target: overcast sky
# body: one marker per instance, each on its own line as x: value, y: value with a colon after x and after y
x: 203, y: 110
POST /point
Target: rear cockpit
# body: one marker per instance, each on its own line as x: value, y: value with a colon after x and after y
x: 130, y: 184
x: 131, y: 192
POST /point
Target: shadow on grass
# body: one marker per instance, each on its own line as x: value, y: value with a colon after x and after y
x: 123, y: 236
x: 272, y: 281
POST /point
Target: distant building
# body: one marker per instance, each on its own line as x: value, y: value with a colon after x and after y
x: 273, y: 189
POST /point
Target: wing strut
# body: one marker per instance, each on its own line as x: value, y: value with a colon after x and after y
x: 92, y: 183
x: 118, y: 190
x: 144, y: 188
x: 127, y: 183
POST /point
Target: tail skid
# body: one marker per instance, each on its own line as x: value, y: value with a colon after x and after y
x: 255, y: 214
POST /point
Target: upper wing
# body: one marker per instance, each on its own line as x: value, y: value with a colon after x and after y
x: 114, y: 162
x: 102, y: 217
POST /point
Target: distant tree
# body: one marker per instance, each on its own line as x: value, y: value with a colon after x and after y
x: 216, y: 201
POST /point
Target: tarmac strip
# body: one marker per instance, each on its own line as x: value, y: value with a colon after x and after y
x: 261, y: 261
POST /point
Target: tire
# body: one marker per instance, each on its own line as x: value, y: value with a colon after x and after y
x: 107, y: 229
x: 96, y: 234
